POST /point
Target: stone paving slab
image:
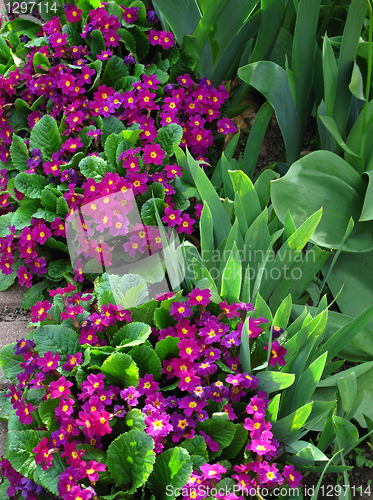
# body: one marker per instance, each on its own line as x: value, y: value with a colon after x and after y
x: 13, y: 296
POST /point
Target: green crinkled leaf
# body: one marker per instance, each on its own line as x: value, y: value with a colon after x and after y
x: 111, y: 146
x: 97, y: 66
x: 94, y: 167
x: 20, y: 453
x: 4, y: 51
x: 110, y: 125
x: 167, y: 348
x: 142, y: 43
x: 49, y: 479
x: 97, y: 43
x: 163, y: 319
x: 46, y: 412
x: 238, y: 442
x: 5, y: 222
x: 19, y: 153
x: 6, y: 280
x: 221, y: 431
x: 131, y: 331
x: 62, y: 207
x: 45, y: 214
x: 42, y: 61
x: 9, y: 362
x: 155, y: 190
x: 196, y: 446
x: 22, y: 107
x: 24, y: 214
x: 168, y: 136
x: 31, y: 185
x: 57, y: 268
x: 34, y: 294
x: 114, y: 71
x: 172, y: 468
x: 56, y: 338
x: 17, y: 121
x: 146, y: 360
x: 45, y: 135
x: 145, y: 312
x: 73, y: 35
x: 130, y: 459
x: 135, y: 419
x: 148, y: 211
x: 128, y: 39
x: 48, y: 200
x: 120, y: 368
x: 56, y: 245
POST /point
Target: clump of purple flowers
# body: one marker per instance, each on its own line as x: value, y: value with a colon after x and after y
x: 87, y: 413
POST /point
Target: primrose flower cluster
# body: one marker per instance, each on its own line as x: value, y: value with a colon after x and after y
x: 196, y: 373
x: 104, y: 134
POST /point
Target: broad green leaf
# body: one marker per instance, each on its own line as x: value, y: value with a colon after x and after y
x: 274, y: 381
x: 221, y: 222
x: 31, y: 185
x: 20, y: 453
x: 167, y: 348
x: 135, y: 419
x: 9, y: 362
x: 282, y: 315
x: 94, y: 167
x: 131, y: 332
x: 49, y: 479
x: 182, y: 18
x: 307, y: 383
x: 119, y: 368
x: 347, y: 54
x: 19, y: 153
x: 5, y: 222
x: 271, y: 80
x: 172, y: 468
x: 256, y: 137
x: 57, y: 268
x: 56, y: 338
x: 114, y: 71
x: 146, y: 360
x: 347, y: 387
x: 24, y: 214
x: 238, y: 442
x: 196, y: 446
x: 148, y: 211
x: 286, y: 428
x: 330, y: 72
x: 341, y: 338
x: 232, y: 276
x: 221, y: 431
x: 332, y: 127
x: 245, y: 360
x: 347, y: 434
x: 303, y: 55
x: 318, y: 177
x: 207, y: 237
x: 49, y: 200
x: 45, y: 135
x: 130, y: 459
x: 246, y: 191
x: 111, y: 145
x: 110, y: 125
x: 46, y: 412
x: 170, y: 136
x: 97, y: 43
